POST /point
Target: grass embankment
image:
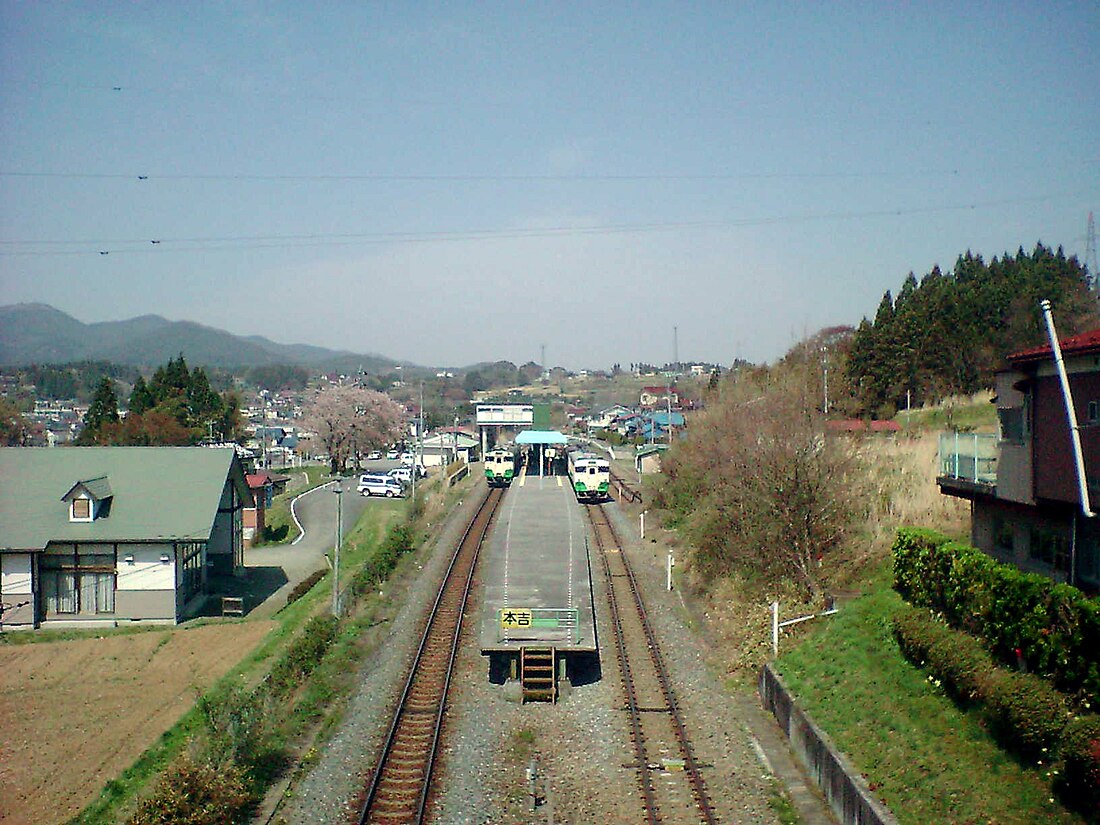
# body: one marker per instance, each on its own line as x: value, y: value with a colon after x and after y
x: 974, y: 414
x: 923, y: 757
x: 316, y: 705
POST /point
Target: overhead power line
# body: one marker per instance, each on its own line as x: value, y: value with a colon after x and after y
x: 243, y: 242
x: 475, y: 177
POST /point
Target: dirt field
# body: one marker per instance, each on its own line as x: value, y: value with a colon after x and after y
x: 76, y: 714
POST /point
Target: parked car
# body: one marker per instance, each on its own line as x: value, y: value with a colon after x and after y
x: 408, y: 459
x: 380, y: 485
x: 374, y: 455
x: 403, y: 474
x: 392, y: 455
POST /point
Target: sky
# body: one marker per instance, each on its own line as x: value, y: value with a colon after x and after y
x: 462, y: 182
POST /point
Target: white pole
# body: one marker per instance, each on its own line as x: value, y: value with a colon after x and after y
x: 336, y: 553
x: 641, y: 528
x: 775, y: 628
x: 1071, y: 414
x: 669, y: 575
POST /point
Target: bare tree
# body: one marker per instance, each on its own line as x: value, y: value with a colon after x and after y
x: 348, y: 420
x: 758, y: 487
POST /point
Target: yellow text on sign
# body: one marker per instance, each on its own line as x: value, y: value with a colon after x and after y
x: 511, y: 617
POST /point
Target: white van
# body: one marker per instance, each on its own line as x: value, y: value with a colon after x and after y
x: 380, y: 485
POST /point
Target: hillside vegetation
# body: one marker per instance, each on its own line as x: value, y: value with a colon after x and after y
x: 947, y: 334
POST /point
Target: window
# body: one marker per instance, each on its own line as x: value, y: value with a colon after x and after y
x: 1003, y: 538
x: 1094, y: 411
x: 1012, y: 423
x: 1050, y: 548
x: 82, y: 509
x: 78, y: 580
x: 191, y: 576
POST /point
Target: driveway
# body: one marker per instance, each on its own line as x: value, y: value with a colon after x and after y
x: 272, y: 571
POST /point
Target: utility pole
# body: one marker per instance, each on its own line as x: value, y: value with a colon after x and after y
x: 336, y: 553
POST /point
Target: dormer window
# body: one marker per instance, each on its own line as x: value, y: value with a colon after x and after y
x: 89, y: 499
x: 81, y: 509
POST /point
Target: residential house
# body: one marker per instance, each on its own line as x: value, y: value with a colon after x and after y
x: 113, y: 535
x: 1026, y: 505
x: 605, y: 418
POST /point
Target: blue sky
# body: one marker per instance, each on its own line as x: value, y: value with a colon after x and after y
x: 455, y: 183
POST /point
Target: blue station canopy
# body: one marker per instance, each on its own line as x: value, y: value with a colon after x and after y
x: 541, y: 437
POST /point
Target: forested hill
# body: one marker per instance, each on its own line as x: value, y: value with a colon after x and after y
x: 948, y: 333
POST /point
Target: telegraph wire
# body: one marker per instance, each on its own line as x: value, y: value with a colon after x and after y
x: 387, y: 177
x: 246, y: 242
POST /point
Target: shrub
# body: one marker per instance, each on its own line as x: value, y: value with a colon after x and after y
x: 956, y: 659
x: 1079, y: 783
x: 193, y: 792
x: 304, y: 586
x: 1025, y: 713
x: 304, y: 653
x: 1054, y: 627
x: 276, y: 534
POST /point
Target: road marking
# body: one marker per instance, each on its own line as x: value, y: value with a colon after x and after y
x: 559, y: 481
x: 293, y: 515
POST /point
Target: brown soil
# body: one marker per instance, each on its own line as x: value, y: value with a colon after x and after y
x: 75, y: 714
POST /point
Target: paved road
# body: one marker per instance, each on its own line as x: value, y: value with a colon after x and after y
x: 273, y: 571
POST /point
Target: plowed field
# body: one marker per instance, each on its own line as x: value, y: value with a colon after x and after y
x: 75, y: 714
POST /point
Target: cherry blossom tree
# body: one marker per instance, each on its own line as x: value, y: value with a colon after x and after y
x: 348, y: 420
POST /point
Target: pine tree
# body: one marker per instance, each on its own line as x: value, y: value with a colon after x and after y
x: 102, y: 411
x: 141, y: 398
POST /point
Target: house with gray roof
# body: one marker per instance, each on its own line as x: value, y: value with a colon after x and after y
x: 114, y: 535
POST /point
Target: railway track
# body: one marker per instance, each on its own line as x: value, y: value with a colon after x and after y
x: 401, y: 782
x: 669, y: 776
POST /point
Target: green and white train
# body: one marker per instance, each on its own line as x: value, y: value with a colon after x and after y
x: 501, y: 466
x: 590, y: 475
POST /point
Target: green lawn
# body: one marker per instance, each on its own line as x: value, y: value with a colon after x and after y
x: 923, y: 757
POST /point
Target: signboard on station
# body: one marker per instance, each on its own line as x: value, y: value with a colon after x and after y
x: 515, y: 617
x: 505, y: 415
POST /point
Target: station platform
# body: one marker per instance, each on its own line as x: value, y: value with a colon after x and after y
x: 535, y: 572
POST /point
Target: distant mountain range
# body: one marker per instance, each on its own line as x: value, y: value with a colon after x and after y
x: 41, y: 334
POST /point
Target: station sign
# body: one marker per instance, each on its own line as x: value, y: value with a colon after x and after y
x: 515, y: 617
x: 505, y: 415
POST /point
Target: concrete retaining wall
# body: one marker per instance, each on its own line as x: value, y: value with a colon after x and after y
x: 844, y: 788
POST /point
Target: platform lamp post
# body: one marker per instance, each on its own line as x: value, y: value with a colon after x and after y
x: 336, y: 553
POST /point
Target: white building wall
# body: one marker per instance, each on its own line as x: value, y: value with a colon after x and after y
x: 15, y: 573
x: 146, y: 571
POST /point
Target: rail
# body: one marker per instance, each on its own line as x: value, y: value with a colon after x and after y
x: 656, y: 722
x: 401, y: 783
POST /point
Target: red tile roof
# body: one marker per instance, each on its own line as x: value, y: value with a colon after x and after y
x: 858, y: 425
x: 1083, y: 344
x: 258, y: 480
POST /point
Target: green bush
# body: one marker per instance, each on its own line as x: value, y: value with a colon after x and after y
x: 304, y: 653
x: 377, y: 568
x: 1053, y: 627
x: 1079, y: 783
x: 276, y: 534
x: 304, y: 586
x: 193, y: 792
x: 1025, y: 713
x: 957, y: 660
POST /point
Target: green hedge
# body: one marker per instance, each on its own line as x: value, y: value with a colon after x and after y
x: 1054, y: 627
x: 1023, y: 710
x: 1079, y: 782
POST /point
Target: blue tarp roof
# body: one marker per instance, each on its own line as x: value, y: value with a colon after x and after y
x: 541, y: 437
